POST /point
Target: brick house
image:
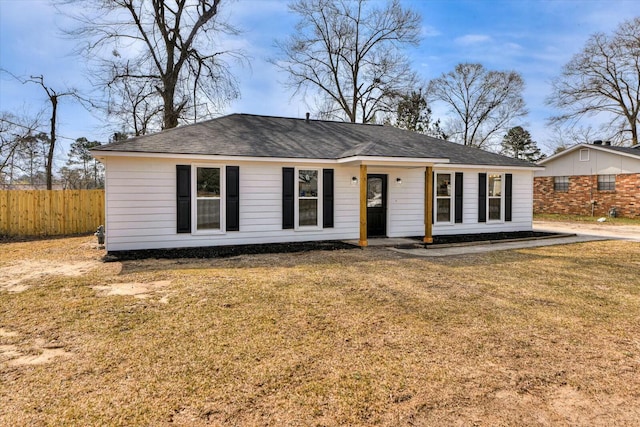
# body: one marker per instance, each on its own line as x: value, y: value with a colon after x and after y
x: 589, y: 179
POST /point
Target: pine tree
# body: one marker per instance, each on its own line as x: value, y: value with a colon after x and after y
x: 414, y: 114
x: 517, y: 143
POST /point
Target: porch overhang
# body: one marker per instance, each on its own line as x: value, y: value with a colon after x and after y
x: 404, y: 162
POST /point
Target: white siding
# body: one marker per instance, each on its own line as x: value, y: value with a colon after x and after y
x: 522, y: 205
x: 141, y: 205
x: 599, y: 163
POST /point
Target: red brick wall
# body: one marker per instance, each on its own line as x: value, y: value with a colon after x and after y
x: 582, y: 190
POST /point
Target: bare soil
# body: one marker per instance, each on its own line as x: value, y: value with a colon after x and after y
x: 543, y: 336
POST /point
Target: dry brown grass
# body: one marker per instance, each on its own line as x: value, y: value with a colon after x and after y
x: 546, y: 336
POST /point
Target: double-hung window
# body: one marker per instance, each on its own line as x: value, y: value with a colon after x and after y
x: 208, y: 192
x: 494, y: 195
x: 606, y: 182
x: 443, y: 197
x: 308, y: 200
x: 561, y: 184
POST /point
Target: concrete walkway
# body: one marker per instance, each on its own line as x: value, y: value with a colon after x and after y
x: 601, y: 229
x: 490, y: 247
x: 574, y: 232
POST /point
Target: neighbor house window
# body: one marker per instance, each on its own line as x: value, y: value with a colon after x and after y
x: 443, y: 197
x: 606, y: 182
x: 208, y: 198
x: 308, y: 197
x: 494, y: 195
x: 561, y: 184
x: 584, y: 155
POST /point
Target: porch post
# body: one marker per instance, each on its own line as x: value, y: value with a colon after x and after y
x: 428, y: 205
x: 363, y: 206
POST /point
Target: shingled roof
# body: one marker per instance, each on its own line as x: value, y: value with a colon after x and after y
x: 248, y: 135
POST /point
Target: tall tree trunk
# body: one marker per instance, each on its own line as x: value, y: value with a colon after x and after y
x: 52, y: 143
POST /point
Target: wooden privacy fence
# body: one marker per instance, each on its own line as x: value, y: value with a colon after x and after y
x: 50, y: 213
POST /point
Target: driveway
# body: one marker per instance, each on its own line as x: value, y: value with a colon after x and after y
x: 600, y: 229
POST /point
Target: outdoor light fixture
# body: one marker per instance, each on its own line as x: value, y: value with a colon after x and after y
x: 399, y: 181
x: 354, y: 180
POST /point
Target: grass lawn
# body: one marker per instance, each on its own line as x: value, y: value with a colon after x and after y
x: 545, y: 336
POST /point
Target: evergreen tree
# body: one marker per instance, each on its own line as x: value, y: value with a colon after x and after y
x: 414, y: 114
x: 82, y: 170
x: 517, y: 143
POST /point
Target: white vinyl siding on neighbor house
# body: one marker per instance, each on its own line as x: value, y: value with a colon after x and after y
x: 599, y: 162
x: 141, y: 204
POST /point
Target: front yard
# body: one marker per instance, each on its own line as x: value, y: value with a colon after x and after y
x: 545, y: 336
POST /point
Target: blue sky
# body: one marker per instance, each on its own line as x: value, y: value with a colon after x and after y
x: 534, y: 38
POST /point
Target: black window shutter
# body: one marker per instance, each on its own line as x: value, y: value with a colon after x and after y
x: 458, y: 197
x: 482, y: 197
x: 183, y: 185
x: 327, y: 198
x: 508, y: 199
x: 288, y: 199
x: 233, y: 198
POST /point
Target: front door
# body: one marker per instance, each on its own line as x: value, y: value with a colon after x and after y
x: 376, y: 205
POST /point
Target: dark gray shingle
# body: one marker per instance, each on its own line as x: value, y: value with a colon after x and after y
x: 264, y: 136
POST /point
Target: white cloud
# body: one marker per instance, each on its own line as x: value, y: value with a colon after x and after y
x: 429, y: 31
x: 470, y: 39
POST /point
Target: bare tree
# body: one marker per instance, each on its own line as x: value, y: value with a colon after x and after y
x: 53, y: 97
x: 350, y: 53
x: 14, y: 131
x: 133, y: 104
x: 483, y: 102
x: 603, y: 78
x: 162, y: 52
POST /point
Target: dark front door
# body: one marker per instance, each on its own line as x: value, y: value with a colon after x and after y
x: 376, y: 205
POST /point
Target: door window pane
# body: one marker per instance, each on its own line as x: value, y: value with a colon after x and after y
x: 374, y: 192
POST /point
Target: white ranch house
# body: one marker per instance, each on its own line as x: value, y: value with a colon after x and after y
x: 247, y: 179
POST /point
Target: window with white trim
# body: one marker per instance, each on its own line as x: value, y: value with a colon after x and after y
x: 584, y: 155
x: 494, y: 196
x: 443, y: 197
x: 308, y: 200
x: 208, y: 198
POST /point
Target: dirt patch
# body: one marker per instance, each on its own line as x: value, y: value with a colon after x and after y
x: 21, y: 275
x: 138, y: 290
x: 38, y: 353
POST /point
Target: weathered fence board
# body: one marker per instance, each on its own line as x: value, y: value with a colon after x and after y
x: 50, y: 213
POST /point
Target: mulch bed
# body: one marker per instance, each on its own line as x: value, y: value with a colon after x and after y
x: 227, y: 251
x: 329, y: 245
x: 467, y: 238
